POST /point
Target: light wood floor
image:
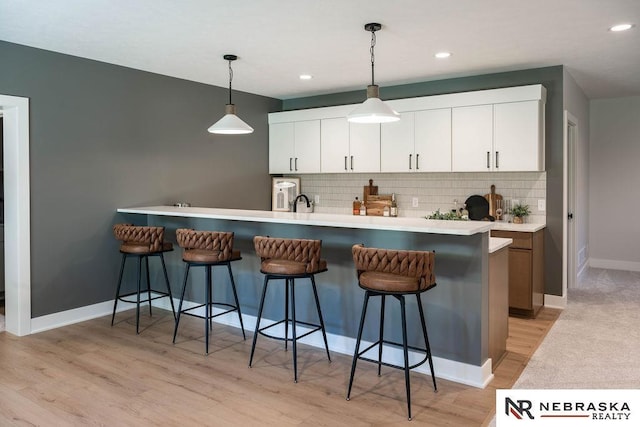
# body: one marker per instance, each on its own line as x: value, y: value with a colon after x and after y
x: 93, y: 374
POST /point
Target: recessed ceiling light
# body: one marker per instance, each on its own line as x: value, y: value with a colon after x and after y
x: 621, y: 27
x: 443, y: 55
x: 306, y: 76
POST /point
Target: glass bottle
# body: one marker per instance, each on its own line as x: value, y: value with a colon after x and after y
x: 394, y: 206
x: 363, y: 208
x: 356, y: 207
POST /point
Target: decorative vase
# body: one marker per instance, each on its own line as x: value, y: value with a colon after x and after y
x: 518, y: 220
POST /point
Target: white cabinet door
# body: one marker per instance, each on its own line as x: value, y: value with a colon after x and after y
x: 433, y: 140
x: 307, y: 147
x: 281, y: 147
x: 334, y: 145
x: 472, y: 138
x: 517, y: 137
x: 364, y: 147
x: 397, y: 152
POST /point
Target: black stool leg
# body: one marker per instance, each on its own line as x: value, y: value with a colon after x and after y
x: 293, y: 330
x: 286, y: 313
x: 381, y: 334
x: 406, y: 353
x: 255, y: 335
x: 426, y: 341
x: 357, y: 351
x: 138, y: 295
x: 166, y: 279
x: 146, y: 263
x: 115, y: 303
x: 324, y: 333
x: 184, y: 288
x: 235, y: 297
x: 207, y: 318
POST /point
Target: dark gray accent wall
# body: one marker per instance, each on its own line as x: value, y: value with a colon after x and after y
x: 551, y: 78
x: 104, y: 137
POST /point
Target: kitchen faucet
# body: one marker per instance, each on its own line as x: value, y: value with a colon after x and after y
x: 295, y: 202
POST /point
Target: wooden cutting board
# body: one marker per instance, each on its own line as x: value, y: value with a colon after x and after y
x: 493, y: 198
x: 375, y: 204
x: 369, y: 190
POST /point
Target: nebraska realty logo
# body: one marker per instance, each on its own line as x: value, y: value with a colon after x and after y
x: 567, y: 408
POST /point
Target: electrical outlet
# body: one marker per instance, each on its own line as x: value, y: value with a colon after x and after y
x: 414, y: 202
x: 317, y: 199
x: 542, y: 205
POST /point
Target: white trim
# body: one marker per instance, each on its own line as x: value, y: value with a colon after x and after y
x: 17, y: 215
x: 475, y: 376
x: 555, y: 301
x: 612, y: 264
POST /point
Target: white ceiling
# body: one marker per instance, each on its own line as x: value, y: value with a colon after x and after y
x: 276, y: 40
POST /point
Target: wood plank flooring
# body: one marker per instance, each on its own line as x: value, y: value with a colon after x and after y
x: 94, y: 374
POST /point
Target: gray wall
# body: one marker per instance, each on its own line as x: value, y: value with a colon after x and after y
x: 103, y: 137
x: 613, y: 183
x: 552, y: 79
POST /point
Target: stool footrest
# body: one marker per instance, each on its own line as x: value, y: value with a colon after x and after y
x: 396, y: 344
x: 224, y: 304
x: 312, y: 325
x: 159, y: 295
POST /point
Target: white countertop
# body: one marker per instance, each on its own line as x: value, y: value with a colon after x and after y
x: 525, y: 228
x: 497, y: 243
x: 419, y: 225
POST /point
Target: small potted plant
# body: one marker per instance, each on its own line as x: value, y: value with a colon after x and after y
x: 519, y: 211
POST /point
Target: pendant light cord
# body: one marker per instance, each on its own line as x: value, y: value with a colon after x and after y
x: 373, y: 44
x: 230, y: 78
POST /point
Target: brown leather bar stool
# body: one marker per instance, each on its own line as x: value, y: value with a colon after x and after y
x: 396, y: 273
x: 207, y: 249
x: 141, y: 242
x: 289, y: 259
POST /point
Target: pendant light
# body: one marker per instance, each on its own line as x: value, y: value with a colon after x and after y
x: 373, y: 110
x: 230, y: 124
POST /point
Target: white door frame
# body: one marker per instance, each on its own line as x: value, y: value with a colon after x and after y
x: 17, y: 214
x: 568, y: 236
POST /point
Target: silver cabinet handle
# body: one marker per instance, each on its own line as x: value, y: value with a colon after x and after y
x: 351, y: 162
x: 497, y: 159
x: 488, y: 154
x: 296, y: 164
x: 417, y: 161
x: 290, y: 167
x: 410, y: 161
x: 345, y: 162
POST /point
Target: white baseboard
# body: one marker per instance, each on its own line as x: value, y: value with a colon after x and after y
x: 555, y: 301
x: 472, y: 375
x: 614, y: 265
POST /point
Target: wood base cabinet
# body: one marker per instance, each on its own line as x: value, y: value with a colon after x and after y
x: 498, y: 305
x: 526, y: 271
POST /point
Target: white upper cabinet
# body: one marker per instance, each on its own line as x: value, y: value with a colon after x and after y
x: 518, y: 136
x: 349, y: 147
x: 480, y: 131
x: 472, y: 138
x: 294, y: 147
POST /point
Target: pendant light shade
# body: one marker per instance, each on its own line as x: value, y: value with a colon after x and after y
x: 230, y: 123
x: 373, y: 110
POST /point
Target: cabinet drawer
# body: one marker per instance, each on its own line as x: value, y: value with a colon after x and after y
x: 521, y: 240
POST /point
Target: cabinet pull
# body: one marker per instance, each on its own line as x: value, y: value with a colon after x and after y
x: 497, y: 159
x: 345, y: 162
x: 351, y: 162
x: 290, y: 167
x: 488, y: 154
x: 417, y: 161
x: 409, y: 161
x: 296, y: 164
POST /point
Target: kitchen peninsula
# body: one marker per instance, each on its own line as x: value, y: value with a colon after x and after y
x: 457, y: 310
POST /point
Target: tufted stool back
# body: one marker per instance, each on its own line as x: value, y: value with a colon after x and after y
x: 138, y: 239
x: 206, y: 246
x: 289, y: 256
x: 388, y: 270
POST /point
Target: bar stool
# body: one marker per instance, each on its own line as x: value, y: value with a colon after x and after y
x: 207, y: 249
x: 289, y: 259
x: 397, y: 273
x: 141, y: 242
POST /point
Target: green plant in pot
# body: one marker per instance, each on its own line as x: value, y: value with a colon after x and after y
x: 519, y: 211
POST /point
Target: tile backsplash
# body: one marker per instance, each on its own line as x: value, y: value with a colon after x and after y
x: 433, y: 190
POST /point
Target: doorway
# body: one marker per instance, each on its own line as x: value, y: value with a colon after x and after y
x: 569, y: 245
x: 17, y: 216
